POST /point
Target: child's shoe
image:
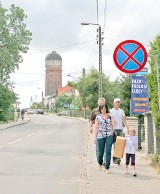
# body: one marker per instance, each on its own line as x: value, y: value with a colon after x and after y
x: 134, y: 174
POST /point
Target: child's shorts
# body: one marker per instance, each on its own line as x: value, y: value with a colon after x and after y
x: 132, y: 156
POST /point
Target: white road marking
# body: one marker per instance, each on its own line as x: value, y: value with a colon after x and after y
x: 15, y: 141
x: 30, y: 134
x: 46, y: 127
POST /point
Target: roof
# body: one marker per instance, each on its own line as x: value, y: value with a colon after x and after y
x: 66, y: 89
x: 53, y: 56
x: 53, y: 96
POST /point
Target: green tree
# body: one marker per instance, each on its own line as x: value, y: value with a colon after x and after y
x: 152, y: 79
x: 14, y: 40
x: 125, y: 93
x: 7, y: 98
x: 63, y: 100
x: 37, y: 105
x: 77, y: 102
x: 115, y: 90
x: 88, y: 89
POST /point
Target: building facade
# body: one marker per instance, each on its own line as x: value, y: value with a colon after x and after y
x: 53, y: 77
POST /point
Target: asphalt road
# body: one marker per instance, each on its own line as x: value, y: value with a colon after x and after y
x: 45, y: 156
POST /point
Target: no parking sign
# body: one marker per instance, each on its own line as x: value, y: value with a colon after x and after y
x: 130, y: 56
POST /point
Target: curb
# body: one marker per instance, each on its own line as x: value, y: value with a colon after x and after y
x: 76, y: 118
x: 16, y: 124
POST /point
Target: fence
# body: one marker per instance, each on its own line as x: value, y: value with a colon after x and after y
x: 152, y: 134
x: 82, y: 114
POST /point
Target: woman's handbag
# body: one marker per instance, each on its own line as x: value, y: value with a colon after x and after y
x: 114, y: 137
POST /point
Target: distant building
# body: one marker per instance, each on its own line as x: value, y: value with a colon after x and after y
x: 51, y: 101
x: 53, y: 77
x: 68, y: 90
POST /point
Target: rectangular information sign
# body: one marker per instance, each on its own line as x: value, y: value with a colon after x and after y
x: 143, y: 71
x: 139, y: 95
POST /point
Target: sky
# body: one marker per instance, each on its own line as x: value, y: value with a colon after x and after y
x: 56, y: 26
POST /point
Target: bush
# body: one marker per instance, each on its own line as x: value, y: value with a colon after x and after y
x: 155, y: 158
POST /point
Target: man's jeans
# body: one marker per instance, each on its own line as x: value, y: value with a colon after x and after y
x: 118, y: 132
x: 104, y: 145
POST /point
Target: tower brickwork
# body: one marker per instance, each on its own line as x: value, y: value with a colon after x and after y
x: 53, y: 78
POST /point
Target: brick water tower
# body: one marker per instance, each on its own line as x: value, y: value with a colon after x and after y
x: 53, y: 78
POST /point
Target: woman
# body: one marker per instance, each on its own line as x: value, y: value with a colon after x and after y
x: 103, y: 136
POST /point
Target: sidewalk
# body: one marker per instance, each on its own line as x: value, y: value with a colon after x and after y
x: 14, y: 123
x: 146, y: 182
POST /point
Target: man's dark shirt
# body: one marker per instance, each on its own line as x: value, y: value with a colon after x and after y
x: 94, y: 113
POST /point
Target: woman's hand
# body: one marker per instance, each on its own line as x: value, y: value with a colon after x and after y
x: 95, y: 140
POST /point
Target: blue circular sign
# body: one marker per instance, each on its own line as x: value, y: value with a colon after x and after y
x: 130, y: 56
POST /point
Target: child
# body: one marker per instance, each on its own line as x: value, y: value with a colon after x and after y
x: 131, y: 143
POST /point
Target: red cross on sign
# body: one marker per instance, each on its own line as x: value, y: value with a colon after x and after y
x: 130, y: 56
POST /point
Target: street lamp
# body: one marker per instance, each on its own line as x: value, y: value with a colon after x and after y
x: 42, y: 98
x: 71, y: 76
x: 74, y: 80
x: 158, y: 79
x: 100, y: 58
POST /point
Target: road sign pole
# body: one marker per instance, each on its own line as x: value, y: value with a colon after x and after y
x: 130, y: 108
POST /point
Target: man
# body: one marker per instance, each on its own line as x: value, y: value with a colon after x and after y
x: 119, y: 117
x: 22, y: 114
x: 95, y: 112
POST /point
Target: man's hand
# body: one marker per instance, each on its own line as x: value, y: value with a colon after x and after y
x: 95, y: 140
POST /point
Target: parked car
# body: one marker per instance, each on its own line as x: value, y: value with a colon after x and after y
x: 29, y: 111
x: 62, y: 113
x: 39, y: 111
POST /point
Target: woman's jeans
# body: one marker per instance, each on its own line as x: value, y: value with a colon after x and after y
x: 104, y: 145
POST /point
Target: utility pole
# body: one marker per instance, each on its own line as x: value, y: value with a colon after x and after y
x: 84, y: 74
x: 100, y: 62
x: 31, y: 102
x: 42, y: 101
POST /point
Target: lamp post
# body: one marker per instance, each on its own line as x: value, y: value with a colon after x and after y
x: 158, y: 77
x: 100, y: 58
x: 42, y: 98
x: 74, y: 80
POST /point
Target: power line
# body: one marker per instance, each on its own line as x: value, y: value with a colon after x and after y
x: 105, y: 10
x: 40, y: 79
x: 27, y: 81
x: 97, y: 11
x: 29, y: 73
x: 69, y: 45
x: 92, y: 59
x: 115, y: 36
x: 77, y: 72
